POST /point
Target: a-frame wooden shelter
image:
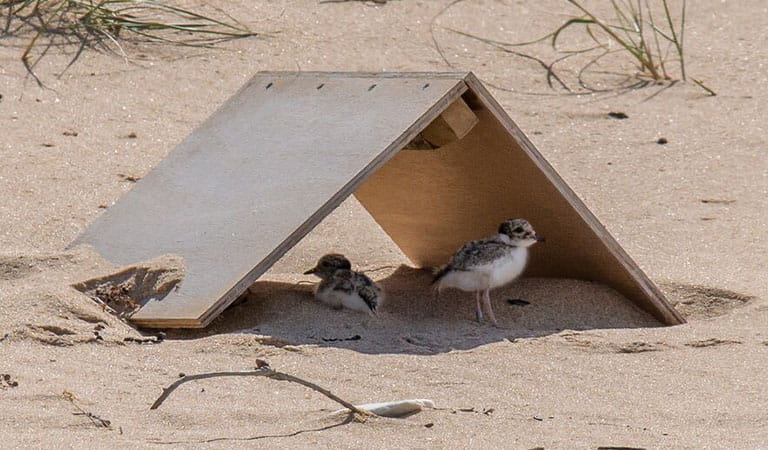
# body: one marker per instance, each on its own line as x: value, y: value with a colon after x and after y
x: 432, y: 156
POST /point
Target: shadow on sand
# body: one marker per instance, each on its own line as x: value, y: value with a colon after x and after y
x: 414, y: 320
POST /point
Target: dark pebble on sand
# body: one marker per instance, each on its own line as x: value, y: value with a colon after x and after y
x: 517, y: 302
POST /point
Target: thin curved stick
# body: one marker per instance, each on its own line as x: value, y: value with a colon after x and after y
x: 346, y: 421
x: 263, y: 372
x: 432, y: 31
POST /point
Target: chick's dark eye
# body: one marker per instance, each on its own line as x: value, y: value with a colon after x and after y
x: 518, y: 230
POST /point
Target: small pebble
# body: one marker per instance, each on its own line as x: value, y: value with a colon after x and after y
x: 617, y: 115
x: 518, y: 302
x: 662, y: 141
x: 129, y: 178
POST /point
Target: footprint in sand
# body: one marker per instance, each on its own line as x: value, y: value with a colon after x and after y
x: 701, y: 302
x: 714, y: 342
x: 637, y: 347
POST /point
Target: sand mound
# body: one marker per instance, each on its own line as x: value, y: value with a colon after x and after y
x: 126, y: 290
x: 39, y: 303
x: 701, y: 302
x: 64, y: 317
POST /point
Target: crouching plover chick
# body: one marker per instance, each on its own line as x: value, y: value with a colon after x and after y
x: 482, y: 265
x: 341, y: 287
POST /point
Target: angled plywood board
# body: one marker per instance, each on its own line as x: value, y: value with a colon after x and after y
x: 288, y: 148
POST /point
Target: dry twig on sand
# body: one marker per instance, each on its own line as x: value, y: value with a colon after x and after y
x: 262, y: 371
x: 98, y: 421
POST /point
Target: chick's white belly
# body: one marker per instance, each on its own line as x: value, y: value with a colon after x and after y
x: 507, y: 269
x: 356, y: 303
x: 330, y: 296
x: 341, y: 299
x: 488, y: 276
x: 465, y: 280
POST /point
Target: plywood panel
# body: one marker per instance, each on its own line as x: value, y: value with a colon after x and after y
x: 432, y: 201
x: 634, y: 283
x: 257, y: 176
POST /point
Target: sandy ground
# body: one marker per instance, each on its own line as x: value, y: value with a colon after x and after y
x: 578, y: 367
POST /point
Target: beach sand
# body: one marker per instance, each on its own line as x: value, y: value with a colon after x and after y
x: 577, y: 367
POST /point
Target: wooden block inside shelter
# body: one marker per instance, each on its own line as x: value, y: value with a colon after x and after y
x: 453, y: 124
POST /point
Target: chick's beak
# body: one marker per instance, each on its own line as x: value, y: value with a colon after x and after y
x: 540, y: 238
x: 311, y: 271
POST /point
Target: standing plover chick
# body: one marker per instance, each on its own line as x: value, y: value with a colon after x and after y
x: 482, y: 265
x: 341, y: 287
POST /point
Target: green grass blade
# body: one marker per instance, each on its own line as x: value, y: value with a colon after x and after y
x: 625, y: 22
x: 578, y: 20
x: 656, y: 39
x: 493, y: 41
x: 633, y: 50
x: 678, y: 42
